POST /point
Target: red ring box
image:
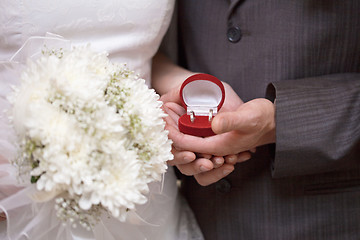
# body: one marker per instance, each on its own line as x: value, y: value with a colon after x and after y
x: 200, y: 94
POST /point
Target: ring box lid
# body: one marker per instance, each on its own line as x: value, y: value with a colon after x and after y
x: 200, y: 93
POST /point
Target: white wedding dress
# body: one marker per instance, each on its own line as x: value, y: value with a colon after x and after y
x: 131, y: 32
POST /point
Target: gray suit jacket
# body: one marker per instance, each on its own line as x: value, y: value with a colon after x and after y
x: 306, y: 54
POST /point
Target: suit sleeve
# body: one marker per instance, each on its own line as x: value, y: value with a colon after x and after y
x: 317, y: 124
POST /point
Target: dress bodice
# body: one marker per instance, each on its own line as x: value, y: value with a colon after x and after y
x: 130, y: 31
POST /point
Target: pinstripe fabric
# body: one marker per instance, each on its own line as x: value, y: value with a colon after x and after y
x: 309, y: 53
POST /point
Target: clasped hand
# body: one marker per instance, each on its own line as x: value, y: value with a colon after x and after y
x: 240, y: 128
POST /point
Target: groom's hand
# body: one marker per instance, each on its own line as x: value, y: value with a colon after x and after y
x: 250, y: 126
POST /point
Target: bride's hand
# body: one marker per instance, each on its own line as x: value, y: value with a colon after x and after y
x: 205, y: 168
x: 188, y: 162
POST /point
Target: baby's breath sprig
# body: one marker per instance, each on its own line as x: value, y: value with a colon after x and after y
x: 67, y: 210
x: 52, y: 52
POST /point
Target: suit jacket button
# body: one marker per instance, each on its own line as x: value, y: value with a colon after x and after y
x: 223, y: 186
x: 234, y: 34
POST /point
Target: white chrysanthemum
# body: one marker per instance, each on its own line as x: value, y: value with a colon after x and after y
x: 91, y: 132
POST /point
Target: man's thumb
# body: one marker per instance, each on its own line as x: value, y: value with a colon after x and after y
x: 225, y: 122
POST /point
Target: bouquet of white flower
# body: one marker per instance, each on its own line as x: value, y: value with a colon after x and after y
x: 91, y: 134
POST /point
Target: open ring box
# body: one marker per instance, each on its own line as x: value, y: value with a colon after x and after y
x: 202, y: 96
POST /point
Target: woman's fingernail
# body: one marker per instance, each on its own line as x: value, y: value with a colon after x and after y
x: 227, y: 171
x: 232, y: 159
x: 187, y: 159
x: 244, y: 158
x: 218, y: 161
x: 203, y: 169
